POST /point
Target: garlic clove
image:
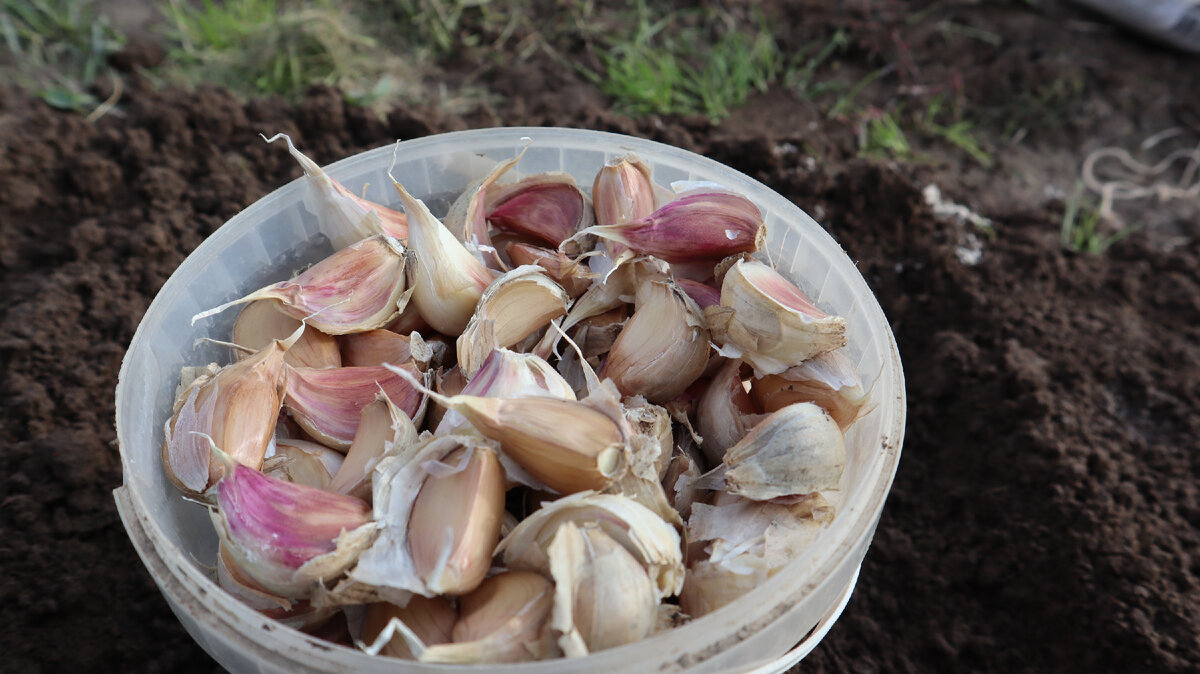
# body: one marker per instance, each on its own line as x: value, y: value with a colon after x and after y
x: 513, y: 307
x: 501, y: 621
x: 374, y: 347
x: 624, y: 191
x: 467, y: 217
x: 574, y: 277
x: 698, y: 226
x: 662, y: 348
x: 765, y: 320
x: 343, y: 216
x: 645, y: 535
x: 679, y: 483
x: 299, y: 615
x: 507, y: 374
x: 827, y: 379
x: 328, y: 404
x: 447, y: 280
x: 726, y: 412
x: 431, y: 619
x: 383, y: 429
x: 262, y: 321
x: 237, y: 407
x: 702, y: 294
x: 455, y: 521
x: 797, y: 450
x: 360, y: 287
x: 603, y: 597
x: 286, y: 536
x: 547, y: 207
x: 302, y: 462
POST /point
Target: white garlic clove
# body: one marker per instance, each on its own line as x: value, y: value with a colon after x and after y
x: 383, y: 429
x: 827, y: 379
x: 431, y: 619
x: 308, y: 463
x: 513, y: 307
x: 726, y: 412
x: 574, y: 277
x: 262, y: 321
x: 797, y: 450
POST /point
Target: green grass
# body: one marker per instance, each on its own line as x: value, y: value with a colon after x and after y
x: 256, y: 47
x: 58, y: 48
x: 800, y: 75
x: 706, y: 69
x: 958, y: 132
x: 1081, y: 227
x: 882, y: 138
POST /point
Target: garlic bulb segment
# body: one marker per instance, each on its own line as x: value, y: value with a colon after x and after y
x: 302, y: 462
x: 645, y: 535
x: 679, y: 484
x: 431, y: 619
x: 624, y: 191
x: 236, y: 407
x: 467, y: 217
x: 743, y: 543
x: 301, y: 615
x: 503, y: 620
x: 262, y: 321
x: 374, y: 347
x: 697, y: 226
x: 575, y: 278
x: 447, y: 280
x: 360, y: 287
x: 383, y: 429
x: 455, y: 521
x: 765, y: 320
x: 797, y: 450
x: 546, y: 207
x: 288, y: 536
x: 513, y: 307
x: 827, y: 379
x: 327, y: 404
x: 565, y: 444
x: 726, y: 412
x: 702, y: 294
x: 603, y: 596
x: 343, y: 216
x: 508, y: 374
x: 662, y: 348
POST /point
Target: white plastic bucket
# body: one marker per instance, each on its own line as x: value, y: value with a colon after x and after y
x: 765, y: 631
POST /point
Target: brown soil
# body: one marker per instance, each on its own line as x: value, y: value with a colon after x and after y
x: 1046, y: 512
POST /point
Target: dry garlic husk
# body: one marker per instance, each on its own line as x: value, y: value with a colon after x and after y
x: 327, y: 404
x: 797, y: 450
x: 287, y: 537
x: 547, y: 207
x: 662, y: 348
x: 603, y: 596
x: 388, y: 570
x: 683, y: 473
x: 376, y: 347
x: 744, y: 543
x: 360, y: 287
x: 574, y: 277
x: 343, y: 216
x: 455, y: 521
x: 263, y: 321
x: 697, y: 226
x: 725, y: 413
x: 766, y: 321
x: 237, y: 407
x: 302, y: 462
x: 447, y: 280
x: 827, y: 379
x: 514, y: 306
x: 508, y: 374
x: 383, y: 429
x: 300, y: 615
x: 651, y: 425
x: 596, y: 335
x: 652, y: 541
x: 431, y: 619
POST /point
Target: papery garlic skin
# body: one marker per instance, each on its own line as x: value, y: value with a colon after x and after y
x: 328, y: 403
x: 797, y: 450
x: 725, y: 413
x: 286, y: 536
x: 383, y: 429
x: 302, y: 462
x: 574, y: 277
x: 508, y: 374
x: 513, y: 307
x: 603, y: 596
x: 765, y: 320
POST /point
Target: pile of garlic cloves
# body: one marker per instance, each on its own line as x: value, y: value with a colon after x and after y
x: 550, y: 423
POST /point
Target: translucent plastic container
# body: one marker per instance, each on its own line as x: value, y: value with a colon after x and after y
x: 767, y: 630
